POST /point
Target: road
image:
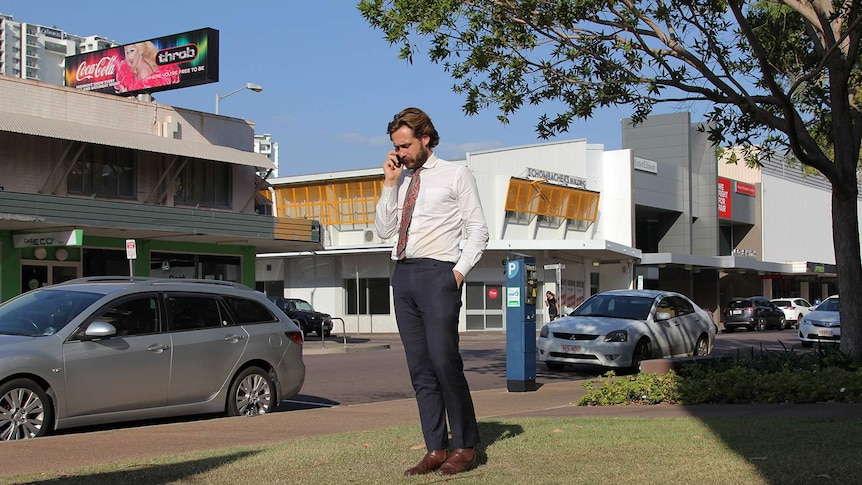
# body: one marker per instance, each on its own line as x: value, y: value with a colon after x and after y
x: 360, y: 377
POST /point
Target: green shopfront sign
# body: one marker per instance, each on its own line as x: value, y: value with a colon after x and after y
x: 40, y: 239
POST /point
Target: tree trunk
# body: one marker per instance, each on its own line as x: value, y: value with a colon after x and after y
x: 845, y: 235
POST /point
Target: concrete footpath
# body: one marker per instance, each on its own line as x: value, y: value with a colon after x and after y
x: 557, y: 399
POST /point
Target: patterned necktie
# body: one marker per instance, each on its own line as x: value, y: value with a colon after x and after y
x: 407, y: 212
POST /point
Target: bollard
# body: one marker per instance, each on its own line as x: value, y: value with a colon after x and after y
x: 343, y: 329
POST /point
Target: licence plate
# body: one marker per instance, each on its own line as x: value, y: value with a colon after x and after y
x: 571, y: 349
x: 824, y: 332
x: 736, y: 312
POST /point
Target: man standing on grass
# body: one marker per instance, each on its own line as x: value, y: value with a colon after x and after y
x: 429, y: 203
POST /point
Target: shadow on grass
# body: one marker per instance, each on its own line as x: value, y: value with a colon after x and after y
x: 493, y: 432
x: 152, y: 474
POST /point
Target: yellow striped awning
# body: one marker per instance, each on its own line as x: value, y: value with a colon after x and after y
x: 542, y: 198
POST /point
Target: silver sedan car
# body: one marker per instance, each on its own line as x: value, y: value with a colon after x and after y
x: 108, y: 349
x: 822, y: 325
x: 620, y: 328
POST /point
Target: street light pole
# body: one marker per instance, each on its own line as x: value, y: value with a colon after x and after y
x: 250, y: 86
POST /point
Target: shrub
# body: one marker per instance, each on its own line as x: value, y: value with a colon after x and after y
x: 825, y: 375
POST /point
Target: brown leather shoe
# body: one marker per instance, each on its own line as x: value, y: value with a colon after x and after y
x: 432, y: 461
x: 461, y: 460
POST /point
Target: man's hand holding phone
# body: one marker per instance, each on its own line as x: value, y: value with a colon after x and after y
x: 392, y: 169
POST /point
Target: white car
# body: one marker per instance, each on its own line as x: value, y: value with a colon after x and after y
x: 620, y: 328
x: 794, y: 309
x: 822, y: 325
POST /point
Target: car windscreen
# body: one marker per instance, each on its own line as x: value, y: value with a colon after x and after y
x: 829, y: 305
x: 303, y: 306
x: 615, y: 306
x: 43, y: 311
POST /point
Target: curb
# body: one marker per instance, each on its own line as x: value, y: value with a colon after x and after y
x: 335, y: 348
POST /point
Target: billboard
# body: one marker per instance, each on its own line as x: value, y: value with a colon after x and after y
x: 170, y: 62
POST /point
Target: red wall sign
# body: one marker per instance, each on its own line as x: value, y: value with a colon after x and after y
x: 724, y: 206
x: 492, y: 293
x: 747, y: 189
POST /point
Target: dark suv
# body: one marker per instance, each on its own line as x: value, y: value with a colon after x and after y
x: 308, y: 319
x: 753, y: 313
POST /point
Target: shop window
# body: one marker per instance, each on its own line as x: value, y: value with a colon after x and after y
x: 105, y: 262
x: 372, y: 295
x: 104, y: 171
x: 201, y: 266
x: 549, y: 221
x: 519, y: 217
x: 205, y: 183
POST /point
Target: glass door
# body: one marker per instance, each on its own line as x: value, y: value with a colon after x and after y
x: 484, y: 306
x: 35, y: 275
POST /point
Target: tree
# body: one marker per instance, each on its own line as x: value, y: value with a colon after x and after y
x: 780, y: 78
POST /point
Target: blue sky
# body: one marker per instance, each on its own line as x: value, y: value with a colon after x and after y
x: 330, y: 82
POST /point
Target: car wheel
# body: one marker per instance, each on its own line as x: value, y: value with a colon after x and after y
x: 327, y: 333
x: 642, y: 352
x: 782, y: 324
x: 761, y: 324
x: 729, y: 329
x: 554, y: 365
x: 27, y: 411
x: 798, y: 319
x: 701, y: 347
x: 251, y: 393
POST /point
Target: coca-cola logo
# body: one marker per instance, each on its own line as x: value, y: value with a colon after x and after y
x: 182, y: 53
x: 91, y: 71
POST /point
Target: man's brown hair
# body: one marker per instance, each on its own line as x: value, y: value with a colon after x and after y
x: 418, y: 121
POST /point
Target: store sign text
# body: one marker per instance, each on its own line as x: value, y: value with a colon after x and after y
x: 40, y: 239
x: 746, y: 189
x: 725, y: 210
x: 560, y: 178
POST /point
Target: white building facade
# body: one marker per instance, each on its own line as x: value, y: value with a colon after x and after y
x: 568, y: 204
x: 661, y: 213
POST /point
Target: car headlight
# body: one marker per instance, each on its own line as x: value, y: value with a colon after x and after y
x: 543, y: 333
x: 617, y: 336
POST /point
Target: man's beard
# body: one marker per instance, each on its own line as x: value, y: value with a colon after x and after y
x: 421, y: 158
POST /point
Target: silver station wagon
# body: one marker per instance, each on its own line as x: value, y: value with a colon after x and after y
x: 109, y: 349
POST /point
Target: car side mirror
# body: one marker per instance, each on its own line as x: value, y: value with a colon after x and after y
x: 662, y: 316
x: 99, y: 329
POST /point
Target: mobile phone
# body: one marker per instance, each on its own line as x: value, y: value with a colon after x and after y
x: 397, y: 161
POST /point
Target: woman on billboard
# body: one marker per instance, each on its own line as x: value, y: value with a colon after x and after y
x: 139, y: 70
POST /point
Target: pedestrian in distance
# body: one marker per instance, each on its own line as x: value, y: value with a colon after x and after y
x: 551, y: 303
x: 429, y: 203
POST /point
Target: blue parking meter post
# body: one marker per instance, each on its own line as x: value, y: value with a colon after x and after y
x: 521, y: 294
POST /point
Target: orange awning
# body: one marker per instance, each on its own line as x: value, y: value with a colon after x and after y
x: 542, y: 198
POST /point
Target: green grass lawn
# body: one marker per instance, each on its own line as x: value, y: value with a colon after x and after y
x: 531, y: 451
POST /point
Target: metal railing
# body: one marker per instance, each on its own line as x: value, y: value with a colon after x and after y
x: 343, y: 332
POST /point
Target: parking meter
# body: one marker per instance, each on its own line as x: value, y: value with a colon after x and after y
x: 521, y: 295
